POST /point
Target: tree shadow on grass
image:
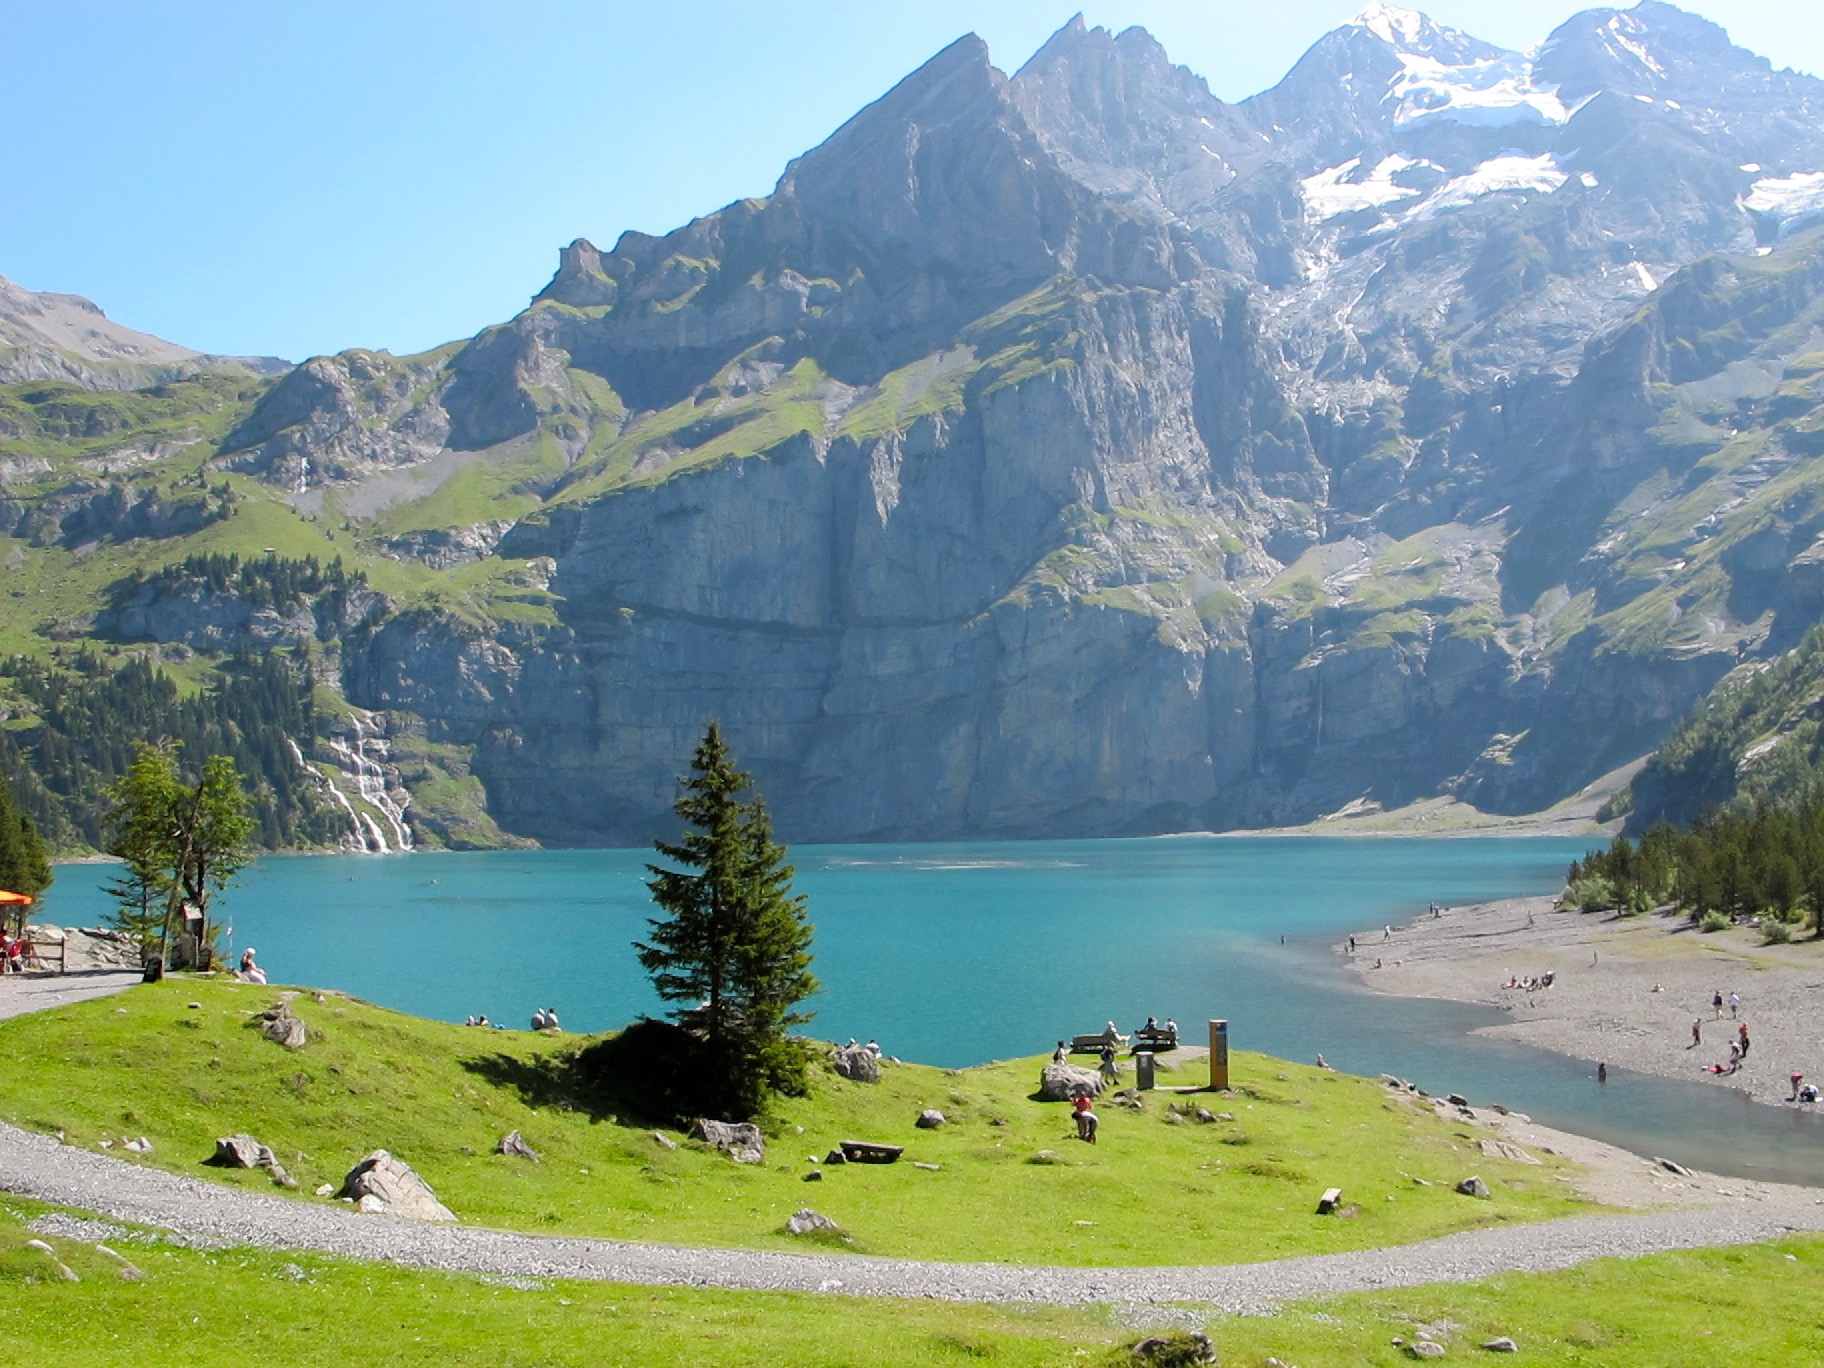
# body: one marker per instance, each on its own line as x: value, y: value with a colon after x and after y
x: 651, y: 1074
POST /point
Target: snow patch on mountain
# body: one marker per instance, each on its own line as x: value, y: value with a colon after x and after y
x: 1787, y: 198
x: 1345, y: 190
x: 1491, y: 93
x: 1498, y: 175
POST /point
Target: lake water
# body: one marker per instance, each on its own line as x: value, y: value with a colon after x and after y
x: 955, y: 954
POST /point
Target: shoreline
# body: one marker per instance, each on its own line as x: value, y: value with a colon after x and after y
x: 1625, y: 991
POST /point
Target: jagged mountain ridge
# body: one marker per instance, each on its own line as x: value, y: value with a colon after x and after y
x: 1073, y: 452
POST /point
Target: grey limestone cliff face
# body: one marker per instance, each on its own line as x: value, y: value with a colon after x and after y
x: 1074, y: 453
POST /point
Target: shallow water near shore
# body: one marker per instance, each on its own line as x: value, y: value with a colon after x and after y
x: 954, y: 954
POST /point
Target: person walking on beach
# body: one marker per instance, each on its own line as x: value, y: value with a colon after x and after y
x: 1697, y: 1032
x: 1742, y: 1031
x: 1716, y: 1001
x: 1735, y: 1005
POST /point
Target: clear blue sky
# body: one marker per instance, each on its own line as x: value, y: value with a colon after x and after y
x: 288, y: 177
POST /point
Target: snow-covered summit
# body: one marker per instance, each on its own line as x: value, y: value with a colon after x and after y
x: 1391, y: 24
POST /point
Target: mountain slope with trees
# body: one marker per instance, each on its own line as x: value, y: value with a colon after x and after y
x: 1059, y: 453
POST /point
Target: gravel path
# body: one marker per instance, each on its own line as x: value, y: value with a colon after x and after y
x: 22, y: 993
x: 40, y: 1167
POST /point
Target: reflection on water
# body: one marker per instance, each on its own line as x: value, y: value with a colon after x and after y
x: 953, y: 954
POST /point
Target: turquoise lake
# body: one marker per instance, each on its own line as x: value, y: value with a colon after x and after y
x: 955, y: 954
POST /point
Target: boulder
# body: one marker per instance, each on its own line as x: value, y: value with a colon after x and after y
x: 237, y: 1151
x: 929, y: 1119
x: 804, y: 1221
x: 1501, y: 1344
x: 1671, y: 1166
x: 1473, y: 1187
x: 1425, y: 1349
x: 857, y: 1063
x: 1500, y: 1149
x: 739, y: 1140
x: 279, y: 1026
x: 514, y: 1143
x: 393, y: 1183
x: 1061, y: 1082
x: 663, y: 1141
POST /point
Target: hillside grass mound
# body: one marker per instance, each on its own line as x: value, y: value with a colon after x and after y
x: 1160, y: 1188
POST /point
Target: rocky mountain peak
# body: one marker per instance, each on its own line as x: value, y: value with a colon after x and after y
x: 581, y: 279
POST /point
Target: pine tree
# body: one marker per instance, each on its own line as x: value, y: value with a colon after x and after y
x: 734, y: 943
x: 143, y: 814
x: 24, y: 866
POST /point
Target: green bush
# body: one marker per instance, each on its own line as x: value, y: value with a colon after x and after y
x: 1712, y: 921
x: 1775, y: 932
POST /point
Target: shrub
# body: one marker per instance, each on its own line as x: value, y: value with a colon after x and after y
x: 1775, y: 932
x: 1712, y: 921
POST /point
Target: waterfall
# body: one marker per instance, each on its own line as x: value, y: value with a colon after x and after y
x: 363, y: 762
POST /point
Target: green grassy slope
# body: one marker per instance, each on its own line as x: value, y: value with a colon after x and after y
x: 1157, y: 1189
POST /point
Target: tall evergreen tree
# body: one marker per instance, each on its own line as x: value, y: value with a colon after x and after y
x: 142, y: 815
x: 734, y: 943
x: 24, y: 866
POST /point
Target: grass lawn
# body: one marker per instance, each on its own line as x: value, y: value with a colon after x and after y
x: 233, y: 1307
x: 1157, y: 1189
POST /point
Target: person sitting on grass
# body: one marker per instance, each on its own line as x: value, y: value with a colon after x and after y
x: 249, y: 970
x: 1087, y: 1122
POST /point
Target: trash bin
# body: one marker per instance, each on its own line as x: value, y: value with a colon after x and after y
x: 1143, y: 1071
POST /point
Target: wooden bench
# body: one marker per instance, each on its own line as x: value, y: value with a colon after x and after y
x: 1157, y: 1039
x: 866, y: 1152
x: 1092, y: 1044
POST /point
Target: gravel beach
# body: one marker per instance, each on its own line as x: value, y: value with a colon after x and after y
x: 1624, y: 990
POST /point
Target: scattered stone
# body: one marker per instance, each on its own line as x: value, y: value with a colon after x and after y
x: 1061, y: 1082
x: 1184, y: 1347
x: 1500, y: 1149
x: 105, y: 1144
x: 123, y: 1265
x: 814, y: 1176
x: 739, y: 1140
x: 279, y: 1026
x: 237, y: 1151
x: 279, y: 1176
x: 515, y: 1144
x: 1456, y: 1099
x: 327, y: 1190
x: 371, y: 1205
x: 1473, y: 1187
x: 856, y: 1063
x: 1501, y: 1345
x: 1046, y: 1157
x: 1425, y: 1349
x: 1205, y: 1115
x: 663, y: 1141
x: 804, y: 1221
x: 394, y: 1183
x: 928, y: 1168
x: 194, y: 1006
x: 1670, y: 1167
x: 836, y: 1156
x: 929, y: 1119
x: 293, y: 1271
x: 64, y: 1271
x: 1332, y: 1198
x: 141, y: 1145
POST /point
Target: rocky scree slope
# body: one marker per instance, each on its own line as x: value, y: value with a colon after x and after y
x: 1076, y: 453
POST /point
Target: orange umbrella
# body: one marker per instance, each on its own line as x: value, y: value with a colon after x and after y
x: 18, y: 898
